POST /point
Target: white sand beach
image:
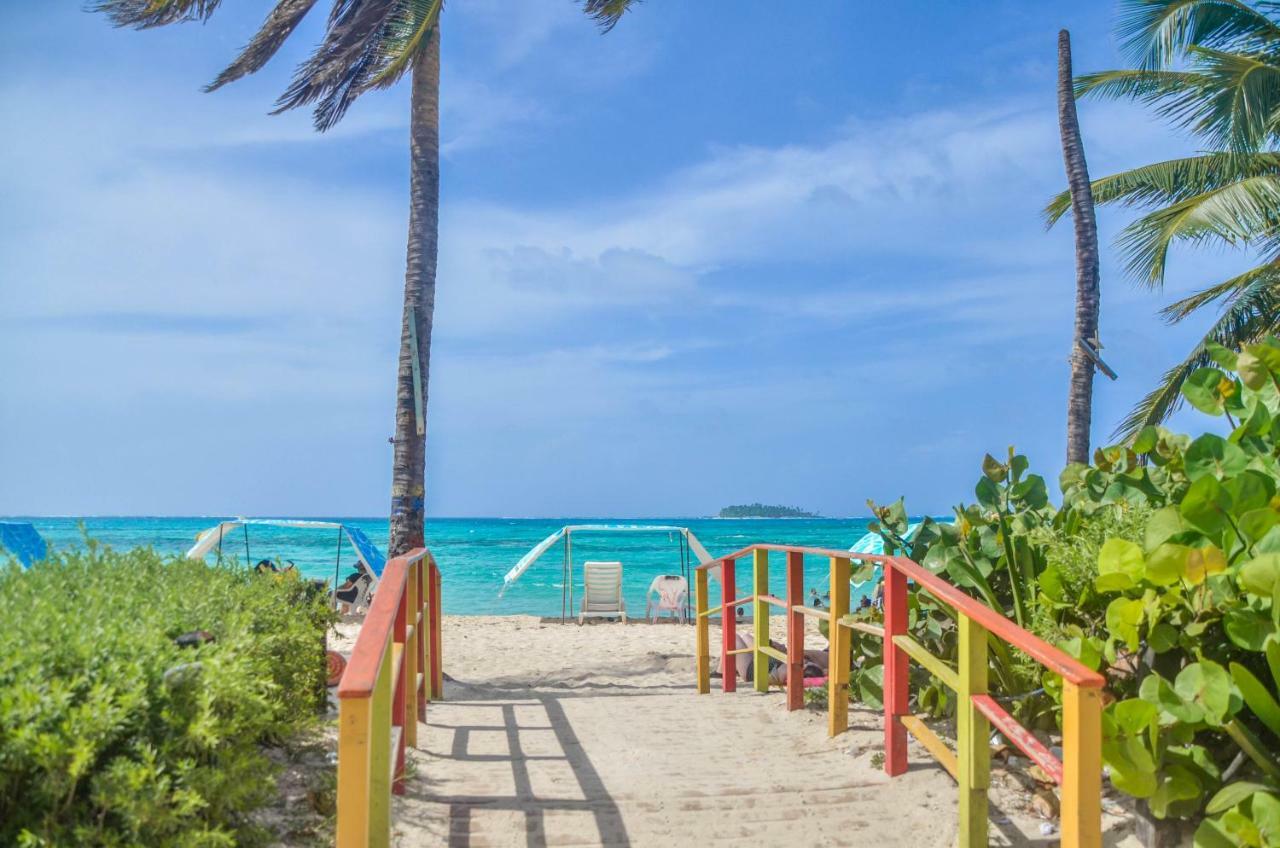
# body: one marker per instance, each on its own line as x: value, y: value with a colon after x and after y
x: 566, y: 735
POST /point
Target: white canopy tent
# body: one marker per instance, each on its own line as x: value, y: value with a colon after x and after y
x: 689, y: 543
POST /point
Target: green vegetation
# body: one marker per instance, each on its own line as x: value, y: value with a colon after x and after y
x: 1161, y: 570
x: 1212, y: 68
x: 759, y: 510
x: 113, y: 734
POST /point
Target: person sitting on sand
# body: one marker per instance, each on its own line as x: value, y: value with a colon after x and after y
x: 815, y: 662
x: 265, y: 566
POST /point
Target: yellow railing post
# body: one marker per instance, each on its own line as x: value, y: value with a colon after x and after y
x: 760, y: 618
x: 437, y: 649
x: 973, y: 733
x: 838, y: 650
x: 380, y: 754
x: 1081, y: 766
x: 353, y: 772
x: 411, y: 658
x: 702, y: 625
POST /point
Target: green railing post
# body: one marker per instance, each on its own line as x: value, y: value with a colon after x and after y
x: 973, y: 733
x: 760, y: 618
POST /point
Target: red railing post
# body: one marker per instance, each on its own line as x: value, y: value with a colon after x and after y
x: 895, y: 671
x: 420, y: 639
x: 728, y: 627
x: 795, y: 630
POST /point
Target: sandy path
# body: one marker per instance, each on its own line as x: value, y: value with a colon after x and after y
x: 560, y: 735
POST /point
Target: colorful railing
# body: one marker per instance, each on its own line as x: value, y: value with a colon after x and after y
x: 1079, y: 773
x: 394, y: 670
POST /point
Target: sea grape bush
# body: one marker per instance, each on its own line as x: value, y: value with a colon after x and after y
x: 1161, y: 569
x: 112, y: 734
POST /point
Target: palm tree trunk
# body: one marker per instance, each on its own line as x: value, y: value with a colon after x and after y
x: 1080, y: 394
x: 408, y: 470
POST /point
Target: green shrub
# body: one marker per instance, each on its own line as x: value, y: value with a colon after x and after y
x: 112, y: 734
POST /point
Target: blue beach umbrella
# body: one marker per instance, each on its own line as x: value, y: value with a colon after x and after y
x: 21, y: 539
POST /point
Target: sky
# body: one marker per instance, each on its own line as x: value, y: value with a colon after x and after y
x: 717, y: 255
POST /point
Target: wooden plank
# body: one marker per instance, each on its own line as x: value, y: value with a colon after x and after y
x: 973, y: 734
x: 380, y: 758
x: 863, y: 627
x: 707, y: 613
x: 760, y: 619
x: 1021, y: 738
x: 770, y: 651
x: 437, y: 641
x: 728, y: 627
x: 1081, y: 766
x: 838, y: 651
x: 810, y: 612
x: 795, y: 631
x: 703, y: 633
x: 397, y: 768
x: 896, y: 681
x: 738, y: 603
x: 353, y: 772
x: 931, y: 741
x: 932, y: 664
x: 739, y: 651
x: 773, y: 601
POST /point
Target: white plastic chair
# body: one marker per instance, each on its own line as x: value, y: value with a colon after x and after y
x: 602, y: 591
x: 672, y: 592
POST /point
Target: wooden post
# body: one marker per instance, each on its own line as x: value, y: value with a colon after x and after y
x: 702, y: 627
x: 411, y: 606
x: 1081, y: 767
x: 380, y: 757
x: 838, y: 650
x: 437, y: 667
x: 760, y: 618
x: 400, y: 687
x: 973, y: 733
x: 895, y: 671
x: 420, y: 637
x: 728, y: 627
x: 795, y: 630
x: 353, y: 772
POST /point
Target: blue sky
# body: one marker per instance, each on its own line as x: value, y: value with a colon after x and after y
x: 721, y: 254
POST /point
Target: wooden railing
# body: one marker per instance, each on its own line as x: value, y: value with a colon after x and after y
x: 394, y: 670
x: 1079, y: 773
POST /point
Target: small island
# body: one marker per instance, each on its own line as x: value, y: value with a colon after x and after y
x: 759, y: 510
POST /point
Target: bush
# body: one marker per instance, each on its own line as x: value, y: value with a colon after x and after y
x: 112, y: 734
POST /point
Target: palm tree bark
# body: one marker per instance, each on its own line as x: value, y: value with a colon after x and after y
x: 1080, y: 393
x: 408, y: 472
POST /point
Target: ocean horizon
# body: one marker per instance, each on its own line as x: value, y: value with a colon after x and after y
x: 474, y: 553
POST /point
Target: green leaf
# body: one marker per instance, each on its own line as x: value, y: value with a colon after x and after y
x: 1207, y: 685
x: 1249, y: 490
x: 1146, y: 439
x: 1205, y: 506
x: 1213, y: 834
x: 1120, y: 556
x: 1256, y: 523
x: 1221, y: 355
x: 1265, y: 810
x: 1032, y: 492
x: 1257, y: 698
x: 1167, y: 564
x: 988, y: 493
x: 1232, y: 794
x: 1123, y: 617
x: 995, y: 470
x: 1163, y: 637
x: 1261, y: 576
x: 1134, y: 715
x: 1132, y: 767
x: 1248, y: 628
x: 1201, y: 390
x: 1163, y: 523
x: 1174, y: 785
x: 1204, y: 562
x: 1258, y: 365
x: 1212, y: 454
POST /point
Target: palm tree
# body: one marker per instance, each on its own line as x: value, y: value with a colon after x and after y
x: 1080, y: 392
x: 368, y: 44
x: 1212, y: 67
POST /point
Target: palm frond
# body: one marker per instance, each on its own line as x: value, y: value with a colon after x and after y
x: 1232, y: 100
x: 144, y: 14
x: 1248, y: 319
x: 1172, y: 181
x: 363, y: 39
x: 1235, y: 214
x: 607, y: 13
x: 1255, y: 279
x: 1157, y: 32
x: 275, y: 30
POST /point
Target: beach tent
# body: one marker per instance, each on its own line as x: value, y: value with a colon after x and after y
x: 369, y: 559
x: 688, y: 544
x: 21, y: 539
x: 873, y: 543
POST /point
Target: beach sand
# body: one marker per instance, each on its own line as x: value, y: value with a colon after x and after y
x: 555, y: 734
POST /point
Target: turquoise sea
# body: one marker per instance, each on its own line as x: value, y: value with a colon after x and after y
x: 475, y: 553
